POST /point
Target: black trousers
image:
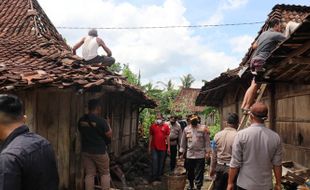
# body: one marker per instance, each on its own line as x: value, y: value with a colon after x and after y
x: 173, y: 156
x: 195, y: 172
x: 104, y: 60
x: 221, y: 179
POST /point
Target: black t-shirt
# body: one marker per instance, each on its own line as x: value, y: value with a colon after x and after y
x: 93, y: 129
x: 183, y: 124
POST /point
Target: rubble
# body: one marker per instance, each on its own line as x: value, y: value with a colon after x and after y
x: 294, y: 174
x: 136, y: 167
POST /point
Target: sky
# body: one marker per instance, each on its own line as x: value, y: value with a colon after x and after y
x: 164, y: 54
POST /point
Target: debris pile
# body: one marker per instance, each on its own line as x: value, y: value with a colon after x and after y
x: 294, y: 174
x: 132, y: 170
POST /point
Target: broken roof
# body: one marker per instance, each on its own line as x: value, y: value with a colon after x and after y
x: 33, y: 54
x: 186, y: 99
x: 212, y: 92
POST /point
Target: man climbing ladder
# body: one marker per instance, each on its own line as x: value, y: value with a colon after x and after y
x: 266, y: 42
x: 245, y: 118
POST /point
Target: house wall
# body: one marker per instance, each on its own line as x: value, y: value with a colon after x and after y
x: 289, y: 116
x: 54, y: 114
x: 292, y: 103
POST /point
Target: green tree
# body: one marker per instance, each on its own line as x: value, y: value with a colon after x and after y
x: 132, y: 78
x: 115, y: 68
x: 187, y: 80
x: 168, y: 86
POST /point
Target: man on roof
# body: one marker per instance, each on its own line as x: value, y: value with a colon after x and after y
x: 91, y: 44
x: 264, y: 45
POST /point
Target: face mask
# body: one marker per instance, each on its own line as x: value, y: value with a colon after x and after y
x: 158, y: 121
x: 194, y: 122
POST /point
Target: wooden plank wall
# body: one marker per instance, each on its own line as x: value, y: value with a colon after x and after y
x: 54, y: 114
x: 289, y: 116
x: 293, y: 121
x: 48, y: 113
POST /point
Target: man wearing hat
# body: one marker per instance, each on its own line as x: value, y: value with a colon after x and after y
x: 196, y: 143
x: 257, y: 151
x: 91, y: 44
x: 221, y: 155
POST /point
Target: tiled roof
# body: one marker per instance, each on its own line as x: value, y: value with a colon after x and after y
x: 212, y: 92
x: 186, y: 99
x: 33, y: 54
x: 285, y: 13
x: 215, y: 89
x: 290, y: 62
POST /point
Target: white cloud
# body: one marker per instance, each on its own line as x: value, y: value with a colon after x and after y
x: 224, y: 5
x: 241, y: 44
x: 160, y: 54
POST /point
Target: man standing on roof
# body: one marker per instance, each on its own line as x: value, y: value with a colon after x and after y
x: 27, y: 160
x: 221, y: 155
x: 264, y: 45
x: 95, y: 135
x: 195, y: 144
x: 91, y: 43
x: 256, y: 151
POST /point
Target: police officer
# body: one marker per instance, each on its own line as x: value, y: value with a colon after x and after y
x: 196, y: 143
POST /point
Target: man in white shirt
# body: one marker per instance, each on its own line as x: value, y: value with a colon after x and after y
x: 91, y: 44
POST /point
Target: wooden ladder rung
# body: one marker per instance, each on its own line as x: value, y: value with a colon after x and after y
x: 245, y: 118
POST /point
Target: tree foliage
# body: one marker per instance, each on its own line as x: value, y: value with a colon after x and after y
x: 164, y: 97
x: 187, y: 80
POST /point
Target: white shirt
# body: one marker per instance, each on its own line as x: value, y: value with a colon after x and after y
x: 90, y: 48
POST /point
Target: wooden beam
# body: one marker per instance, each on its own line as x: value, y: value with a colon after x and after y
x: 292, y: 45
x: 302, y: 70
x: 297, y: 52
x: 287, y: 72
x: 299, y: 60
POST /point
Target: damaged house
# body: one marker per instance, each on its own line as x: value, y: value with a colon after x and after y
x: 288, y: 91
x: 37, y: 65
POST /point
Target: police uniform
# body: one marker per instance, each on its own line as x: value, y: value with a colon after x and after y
x: 196, y: 144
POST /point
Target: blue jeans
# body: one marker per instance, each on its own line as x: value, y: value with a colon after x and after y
x: 158, y: 158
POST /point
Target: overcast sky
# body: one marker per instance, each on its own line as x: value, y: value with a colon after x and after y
x: 163, y: 54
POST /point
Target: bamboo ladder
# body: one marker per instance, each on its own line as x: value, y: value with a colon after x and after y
x: 245, y: 120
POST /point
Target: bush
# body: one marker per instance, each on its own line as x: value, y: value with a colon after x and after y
x: 214, y: 129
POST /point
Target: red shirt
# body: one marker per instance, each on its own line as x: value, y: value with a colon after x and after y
x: 159, y: 135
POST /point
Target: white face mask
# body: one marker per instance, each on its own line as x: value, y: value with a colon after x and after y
x: 159, y: 121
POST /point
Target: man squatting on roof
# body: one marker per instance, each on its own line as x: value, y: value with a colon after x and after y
x: 91, y: 44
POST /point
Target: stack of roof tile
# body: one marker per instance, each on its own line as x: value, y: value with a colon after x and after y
x: 33, y: 54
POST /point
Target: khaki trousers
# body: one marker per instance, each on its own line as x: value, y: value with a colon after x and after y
x: 94, y: 163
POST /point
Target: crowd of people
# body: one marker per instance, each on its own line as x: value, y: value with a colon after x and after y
x: 239, y: 160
